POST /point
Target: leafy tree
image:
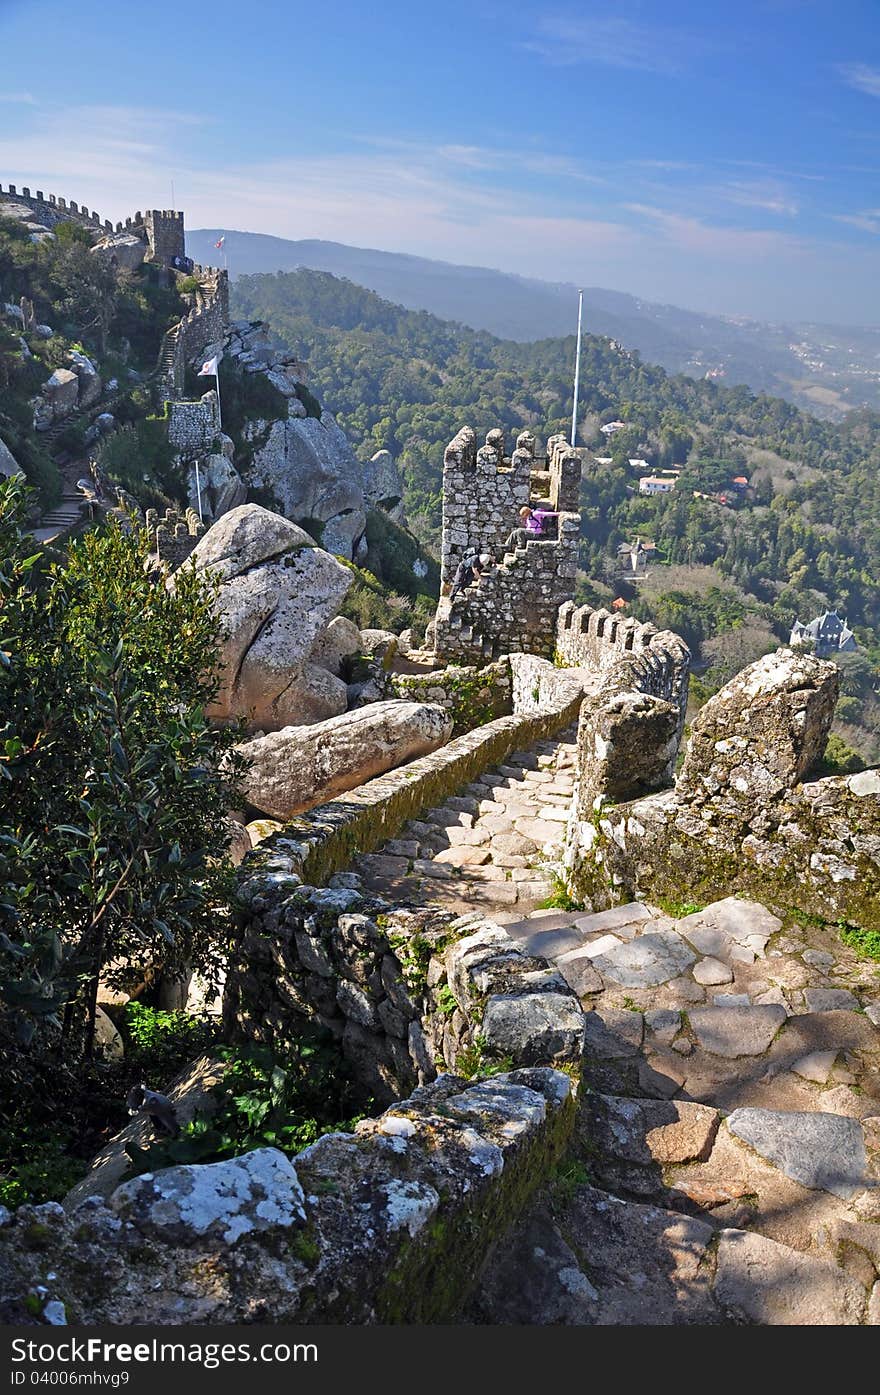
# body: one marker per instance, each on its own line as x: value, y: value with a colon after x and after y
x: 113, y: 787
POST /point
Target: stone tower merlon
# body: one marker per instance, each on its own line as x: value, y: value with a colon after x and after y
x: 165, y: 235
x: 565, y: 475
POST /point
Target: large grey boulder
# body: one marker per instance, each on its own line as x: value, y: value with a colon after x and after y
x: 58, y: 398
x: 382, y: 485
x: 9, y: 466
x: 221, y: 1201
x: 316, y: 695
x: 220, y: 485
x: 340, y: 640
x: 296, y: 768
x: 90, y: 385
x: 311, y: 469
x: 759, y: 735
x: 123, y: 250
x: 278, y: 592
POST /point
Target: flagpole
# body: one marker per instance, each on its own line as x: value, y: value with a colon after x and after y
x: 217, y: 381
x: 577, y: 370
x: 199, y: 491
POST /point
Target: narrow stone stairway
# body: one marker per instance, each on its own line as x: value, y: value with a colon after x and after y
x: 65, y: 516
x: 491, y: 846
x: 726, y: 1166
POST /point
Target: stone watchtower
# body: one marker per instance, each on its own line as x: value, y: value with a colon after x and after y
x: 514, y: 605
x: 165, y: 234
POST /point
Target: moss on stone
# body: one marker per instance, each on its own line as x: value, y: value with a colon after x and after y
x: 436, y: 1271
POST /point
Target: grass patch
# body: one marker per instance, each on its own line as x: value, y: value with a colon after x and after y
x: 561, y: 899
x: 678, y: 909
x: 866, y: 943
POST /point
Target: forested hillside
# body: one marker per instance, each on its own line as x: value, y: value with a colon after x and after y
x: 803, y: 537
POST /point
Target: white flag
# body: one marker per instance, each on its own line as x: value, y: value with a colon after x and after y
x: 209, y: 369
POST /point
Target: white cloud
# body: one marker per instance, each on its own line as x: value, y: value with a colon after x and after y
x: 24, y: 99
x: 614, y: 42
x: 861, y: 76
x: 734, y: 244
x: 764, y: 194
x: 868, y: 222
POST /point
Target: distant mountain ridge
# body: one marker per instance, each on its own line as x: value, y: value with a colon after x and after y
x: 825, y: 369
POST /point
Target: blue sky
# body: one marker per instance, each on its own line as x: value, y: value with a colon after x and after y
x: 725, y: 158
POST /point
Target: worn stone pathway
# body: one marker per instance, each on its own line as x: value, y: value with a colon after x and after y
x: 727, y: 1158
x: 491, y: 846
x: 728, y: 1144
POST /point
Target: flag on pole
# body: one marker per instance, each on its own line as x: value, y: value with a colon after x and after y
x: 209, y: 369
x: 220, y: 241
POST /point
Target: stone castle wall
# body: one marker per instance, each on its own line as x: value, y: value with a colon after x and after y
x: 631, y: 725
x: 204, y: 324
x: 54, y: 209
x: 193, y: 427
x: 513, y: 606
x: 743, y: 815
x: 173, y: 537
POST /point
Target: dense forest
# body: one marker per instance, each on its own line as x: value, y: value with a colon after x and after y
x: 805, y: 535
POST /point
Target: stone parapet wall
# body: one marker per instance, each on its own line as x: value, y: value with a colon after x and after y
x: 389, y: 1224
x: 631, y: 726
x: 405, y: 992
x: 472, y: 696
x: 54, y: 209
x: 741, y: 817
x: 324, y: 839
x: 172, y: 536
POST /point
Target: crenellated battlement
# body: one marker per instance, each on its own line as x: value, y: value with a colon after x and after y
x: 58, y: 209
x: 173, y: 536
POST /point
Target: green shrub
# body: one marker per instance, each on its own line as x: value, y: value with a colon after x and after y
x: 284, y: 1100
x: 156, y: 1042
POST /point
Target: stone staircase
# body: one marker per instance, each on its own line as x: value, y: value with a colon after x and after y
x: 492, y: 845
x: 58, y: 522
x: 726, y: 1165
x: 164, y: 375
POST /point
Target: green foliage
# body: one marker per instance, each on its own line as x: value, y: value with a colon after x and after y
x: 866, y: 943
x: 473, y: 1064
x: 395, y: 556
x: 677, y: 909
x: 112, y: 808
x: 839, y: 758
x: 140, y: 459
x: 156, y: 1041
x: 373, y: 606
x: 263, y: 1101
x: 446, y: 1000
x: 560, y: 898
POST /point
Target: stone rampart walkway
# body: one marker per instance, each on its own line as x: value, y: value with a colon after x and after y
x: 729, y: 1164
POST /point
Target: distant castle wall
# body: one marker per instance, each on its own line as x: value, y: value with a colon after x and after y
x: 194, y: 426
x: 52, y: 209
x: 205, y: 324
x: 173, y: 537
